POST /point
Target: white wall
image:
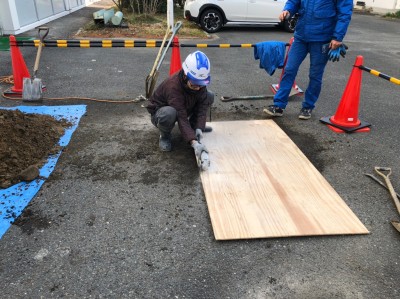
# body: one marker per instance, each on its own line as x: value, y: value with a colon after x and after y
x: 389, y: 5
x: 9, y: 18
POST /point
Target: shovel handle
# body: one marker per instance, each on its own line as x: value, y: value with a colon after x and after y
x: 175, y: 30
x: 396, y: 225
x: 379, y: 182
x: 42, y: 32
x: 45, y: 32
x: 152, y: 77
x: 37, y: 60
x: 388, y: 171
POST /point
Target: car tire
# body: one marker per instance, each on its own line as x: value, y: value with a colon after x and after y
x: 211, y: 20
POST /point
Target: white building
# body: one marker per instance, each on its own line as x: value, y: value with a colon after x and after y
x: 17, y: 16
x: 379, y: 6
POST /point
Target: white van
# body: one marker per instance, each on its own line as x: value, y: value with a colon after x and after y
x: 211, y: 15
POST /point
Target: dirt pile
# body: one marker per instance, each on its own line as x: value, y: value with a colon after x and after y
x: 25, y: 144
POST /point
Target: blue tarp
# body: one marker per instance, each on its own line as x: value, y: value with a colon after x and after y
x: 15, y: 198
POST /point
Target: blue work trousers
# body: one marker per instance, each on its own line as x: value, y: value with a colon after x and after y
x: 318, y: 59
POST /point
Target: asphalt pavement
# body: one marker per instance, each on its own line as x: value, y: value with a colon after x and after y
x: 119, y: 219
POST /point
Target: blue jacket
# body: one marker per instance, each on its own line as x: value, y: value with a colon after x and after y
x: 271, y: 55
x: 321, y: 20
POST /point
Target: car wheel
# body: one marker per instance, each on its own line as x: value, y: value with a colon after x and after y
x: 211, y: 20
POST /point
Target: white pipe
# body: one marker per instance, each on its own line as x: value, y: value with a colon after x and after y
x: 170, y: 13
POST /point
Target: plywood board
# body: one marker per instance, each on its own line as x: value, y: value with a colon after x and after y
x: 260, y: 185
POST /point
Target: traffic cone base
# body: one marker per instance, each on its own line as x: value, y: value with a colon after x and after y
x: 346, y: 116
x: 13, y: 94
x: 337, y: 130
x: 362, y: 127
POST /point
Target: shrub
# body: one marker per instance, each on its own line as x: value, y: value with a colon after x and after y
x: 144, y: 6
x: 393, y: 15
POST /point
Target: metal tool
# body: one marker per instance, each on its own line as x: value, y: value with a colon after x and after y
x: 204, y: 161
x: 293, y: 91
x: 396, y: 224
x: 239, y: 98
x: 379, y: 182
x: 385, y: 172
x: 32, y: 88
x: 151, y: 79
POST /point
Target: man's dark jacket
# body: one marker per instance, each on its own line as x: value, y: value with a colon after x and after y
x: 174, y: 92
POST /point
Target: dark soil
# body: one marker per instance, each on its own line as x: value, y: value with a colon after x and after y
x: 26, y: 142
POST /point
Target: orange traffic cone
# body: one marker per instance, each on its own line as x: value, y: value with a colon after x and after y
x: 346, y: 116
x: 20, y: 70
x: 176, y: 64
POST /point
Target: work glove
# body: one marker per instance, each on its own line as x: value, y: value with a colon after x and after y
x: 334, y: 55
x: 198, y: 149
x: 199, y: 134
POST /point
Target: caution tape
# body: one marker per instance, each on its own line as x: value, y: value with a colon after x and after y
x: 379, y: 74
x: 120, y: 44
x: 91, y: 43
x: 217, y: 45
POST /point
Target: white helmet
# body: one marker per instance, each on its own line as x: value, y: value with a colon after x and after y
x: 197, y: 68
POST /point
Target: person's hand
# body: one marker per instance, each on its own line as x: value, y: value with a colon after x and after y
x: 334, y: 54
x: 334, y: 44
x: 198, y: 149
x: 284, y: 14
x: 199, y: 134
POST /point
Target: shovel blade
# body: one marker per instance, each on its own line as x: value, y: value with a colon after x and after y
x: 32, y: 90
x: 26, y: 89
x: 37, y: 89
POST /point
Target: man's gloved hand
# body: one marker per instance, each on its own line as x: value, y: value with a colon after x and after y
x: 334, y: 55
x: 198, y: 149
x: 199, y: 134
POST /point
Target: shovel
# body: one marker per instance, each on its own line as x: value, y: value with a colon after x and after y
x: 385, y: 172
x: 293, y: 91
x: 151, y: 79
x: 32, y: 87
x: 239, y: 98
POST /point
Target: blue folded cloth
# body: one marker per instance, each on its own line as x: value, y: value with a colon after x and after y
x: 271, y: 55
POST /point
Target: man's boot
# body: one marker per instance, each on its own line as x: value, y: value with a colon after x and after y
x: 165, y: 141
x: 207, y: 129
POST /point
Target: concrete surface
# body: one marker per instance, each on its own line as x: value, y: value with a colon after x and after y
x: 119, y: 219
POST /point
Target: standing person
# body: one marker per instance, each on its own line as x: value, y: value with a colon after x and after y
x: 183, y: 98
x: 320, y: 30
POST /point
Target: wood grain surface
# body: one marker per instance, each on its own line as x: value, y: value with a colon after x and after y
x: 260, y: 185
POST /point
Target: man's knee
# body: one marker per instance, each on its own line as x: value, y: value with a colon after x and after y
x: 165, y: 118
x: 210, y: 97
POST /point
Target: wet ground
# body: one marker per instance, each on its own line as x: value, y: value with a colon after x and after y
x: 120, y: 219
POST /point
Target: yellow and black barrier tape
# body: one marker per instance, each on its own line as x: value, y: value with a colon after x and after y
x: 85, y: 43
x: 379, y: 74
x: 217, y: 45
x: 121, y: 44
